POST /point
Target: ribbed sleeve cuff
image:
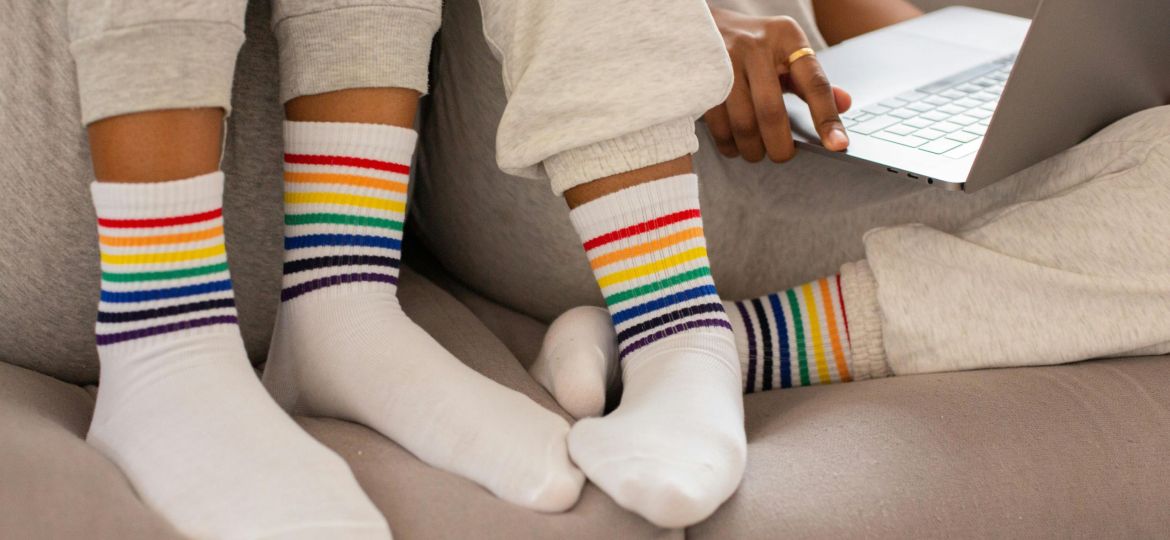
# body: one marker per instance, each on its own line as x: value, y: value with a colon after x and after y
x: 859, y: 294
x: 650, y: 146
x: 355, y: 47
x: 166, y: 65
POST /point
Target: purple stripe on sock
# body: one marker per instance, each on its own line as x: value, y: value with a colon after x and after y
x: 319, y: 283
x: 107, y: 339
x: 666, y: 332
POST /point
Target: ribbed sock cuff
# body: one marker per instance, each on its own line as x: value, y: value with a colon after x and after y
x: 650, y: 146
x: 635, y: 204
x: 371, y: 141
x: 118, y: 200
x: 859, y: 292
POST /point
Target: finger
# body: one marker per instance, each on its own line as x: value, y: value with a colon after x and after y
x: 720, y: 126
x: 844, y: 100
x: 768, y: 102
x: 812, y: 85
x: 742, y: 116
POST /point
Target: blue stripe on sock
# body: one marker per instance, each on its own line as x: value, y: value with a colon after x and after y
x: 665, y: 301
x: 341, y: 240
x: 782, y: 332
x: 160, y: 294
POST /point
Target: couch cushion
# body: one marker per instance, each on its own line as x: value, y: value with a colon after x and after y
x: 53, y: 484
x: 1079, y: 450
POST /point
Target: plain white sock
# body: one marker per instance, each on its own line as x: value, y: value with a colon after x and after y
x: 675, y: 449
x: 343, y: 347
x: 578, y: 362
x: 179, y: 408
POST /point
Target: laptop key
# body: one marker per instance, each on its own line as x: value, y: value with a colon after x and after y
x: 900, y: 129
x: 953, y: 94
x: 892, y: 103
x: 874, y: 125
x: 967, y: 103
x: 903, y: 113
x: 936, y: 116
x: 976, y: 129
x: 920, y: 106
x: 952, y: 109
x: 937, y: 100
x: 984, y: 96
x: 963, y: 119
x: 947, y: 127
x: 929, y: 134
x: 962, y: 136
x: 968, y: 88
x: 979, y: 112
x: 904, y: 140
x: 919, y: 123
x: 940, y: 146
x: 876, y: 110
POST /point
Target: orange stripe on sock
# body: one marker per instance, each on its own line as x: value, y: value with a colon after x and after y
x: 642, y: 249
x: 345, y: 180
x: 162, y: 239
x: 834, y: 337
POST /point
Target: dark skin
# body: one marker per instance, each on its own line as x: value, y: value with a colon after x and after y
x: 753, y: 122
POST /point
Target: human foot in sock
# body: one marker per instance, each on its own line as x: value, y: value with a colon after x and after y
x: 797, y: 337
x: 674, y: 449
x: 343, y: 347
x: 179, y: 408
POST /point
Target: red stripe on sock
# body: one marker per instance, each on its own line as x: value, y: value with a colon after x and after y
x: 346, y: 161
x: 844, y: 316
x: 159, y: 222
x: 645, y: 226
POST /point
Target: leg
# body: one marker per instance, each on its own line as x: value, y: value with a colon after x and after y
x: 343, y: 346
x: 179, y: 408
x: 675, y: 448
x: 777, y: 350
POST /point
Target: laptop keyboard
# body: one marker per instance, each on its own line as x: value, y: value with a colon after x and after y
x: 948, y: 117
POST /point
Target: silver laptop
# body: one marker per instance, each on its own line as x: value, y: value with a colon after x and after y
x: 961, y: 98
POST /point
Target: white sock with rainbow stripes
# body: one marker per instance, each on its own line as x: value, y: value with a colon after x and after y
x: 675, y: 448
x: 797, y: 337
x: 179, y: 408
x: 344, y: 348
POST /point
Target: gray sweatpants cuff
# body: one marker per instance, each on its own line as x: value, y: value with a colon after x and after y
x: 859, y: 294
x: 163, y: 65
x: 650, y: 146
x: 355, y: 47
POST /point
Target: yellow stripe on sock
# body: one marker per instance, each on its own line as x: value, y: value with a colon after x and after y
x: 162, y: 239
x: 834, y: 336
x: 172, y: 256
x: 814, y: 330
x: 345, y: 200
x: 652, y: 267
x: 345, y: 180
x: 648, y: 247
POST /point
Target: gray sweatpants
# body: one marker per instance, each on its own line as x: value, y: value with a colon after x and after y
x: 573, y: 117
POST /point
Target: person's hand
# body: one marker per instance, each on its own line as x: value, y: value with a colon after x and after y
x: 753, y: 122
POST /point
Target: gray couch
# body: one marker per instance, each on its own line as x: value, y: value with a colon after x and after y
x: 1071, y: 451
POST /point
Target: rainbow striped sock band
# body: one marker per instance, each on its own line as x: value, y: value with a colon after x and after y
x: 345, y: 204
x: 797, y: 337
x: 654, y: 273
x: 162, y: 273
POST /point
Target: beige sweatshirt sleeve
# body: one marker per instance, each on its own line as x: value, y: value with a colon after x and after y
x: 134, y: 56
x: 602, y: 87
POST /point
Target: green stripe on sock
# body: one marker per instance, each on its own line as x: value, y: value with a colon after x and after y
x: 170, y: 274
x: 342, y: 219
x: 657, y: 285
x: 798, y: 329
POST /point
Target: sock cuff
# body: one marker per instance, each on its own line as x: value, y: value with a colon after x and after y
x: 368, y: 141
x: 635, y: 205
x: 119, y: 200
x: 859, y: 294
